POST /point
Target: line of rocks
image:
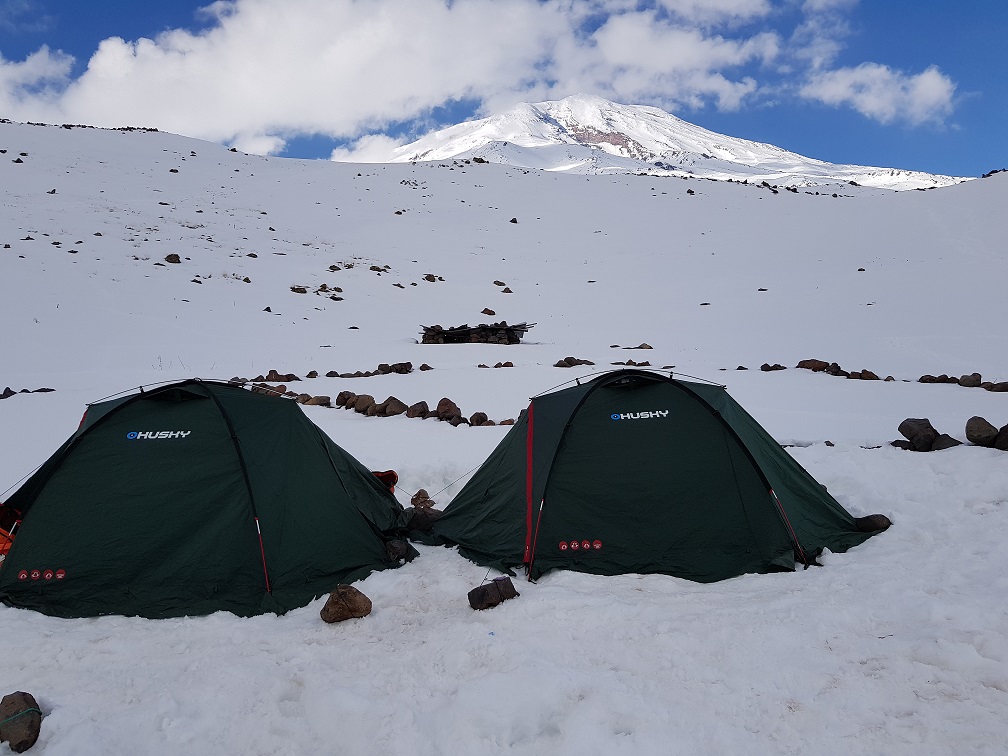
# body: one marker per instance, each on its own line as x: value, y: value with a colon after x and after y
x: 385, y: 368
x: 445, y: 411
x: 971, y: 380
x: 921, y: 436
x: 9, y: 392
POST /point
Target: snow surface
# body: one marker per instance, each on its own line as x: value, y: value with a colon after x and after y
x: 590, y: 135
x: 897, y: 646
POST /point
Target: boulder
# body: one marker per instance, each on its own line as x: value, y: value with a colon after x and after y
x: 980, y: 432
x: 319, y: 401
x: 20, y: 721
x: 346, y: 602
x: 362, y: 403
x: 944, y: 441
x: 394, y: 407
x: 767, y: 367
x: 312, y: 374
x: 422, y: 518
x: 425, y: 367
x: 332, y: 374
x: 872, y: 523
x: 345, y: 397
x: 868, y: 375
x: 973, y: 380
x: 448, y: 410
x: 478, y: 418
x: 1001, y: 442
x: 999, y: 387
x: 421, y: 499
x: 919, y: 432
x: 816, y: 366
x: 173, y: 258
x: 492, y: 593
x: 420, y: 409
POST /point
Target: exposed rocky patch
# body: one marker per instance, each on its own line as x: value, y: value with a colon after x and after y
x: 920, y: 435
x: 484, y: 333
x: 9, y: 392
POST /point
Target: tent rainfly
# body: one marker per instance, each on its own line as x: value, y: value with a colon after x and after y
x: 191, y: 498
x: 636, y: 472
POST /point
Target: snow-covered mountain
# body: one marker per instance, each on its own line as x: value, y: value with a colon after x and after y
x: 590, y: 135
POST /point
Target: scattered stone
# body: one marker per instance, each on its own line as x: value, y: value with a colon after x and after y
x: 312, y: 374
x: 1001, y: 442
x: 973, y: 380
x: 478, y: 418
x: 20, y: 721
x: 767, y: 367
x: 345, y: 398
x: 430, y: 277
x: 506, y: 290
x: 318, y: 401
x: 741, y: 367
x: 980, y: 432
x: 999, y: 387
x: 332, y: 374
x: 901, y: 443
x: 513, y: 220
x: 346, y: 602
x: 173, y: 258
x: 509, y: 421
x: 488, y: 311
x: 424, y: 367
x: 299, y: 289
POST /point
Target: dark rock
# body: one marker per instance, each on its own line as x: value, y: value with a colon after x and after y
x: 973, y: 380
x: 425, y: 367
x: 345, y: 398
x: 766, y: 367
x: 21, y: 721
x: 872, y: 523
x: 868, y: 375
x: 513, y: 220
x: 901, y: 443
x: 478, y: 418
x: 509, y: 421
x: 421, y: 499
x: 422, y: 518
x: 362, y: 402
x: 7, y: 393
x: 492, y: 593
x: 420, y: 409
x: 919, y: 432
x: 397, y: 549
x: 332, y: 374
x: 980, y: 432
x: 1001, y: 387
x: 173, y: 258
x: 319, y: 401
x: 312, y: 374
x: 488, y: 311
x: 741, y: 367
x: 394, y: 407
x: 944, y: 441
x: 448, y: 410
x: 344, y: 603
x: 1001, y: 442
x: 816, y: 366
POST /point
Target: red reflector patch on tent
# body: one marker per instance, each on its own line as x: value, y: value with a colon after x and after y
x: 563, y: 545
x: 586, y: 545
x: 23, y: 575
x: 48, y: 575
x: 60, y: 574
x: 36, y: 574
x: 596, y: 544
x: 575, y: 545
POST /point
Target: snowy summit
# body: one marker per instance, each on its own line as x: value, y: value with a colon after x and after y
x: 590, y: 135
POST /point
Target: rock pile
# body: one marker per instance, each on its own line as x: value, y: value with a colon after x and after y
x: 982, y: 433
x: 832, y: 368
x: 484, y: 333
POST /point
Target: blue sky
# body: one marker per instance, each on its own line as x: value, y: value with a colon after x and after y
x: 918, y: 84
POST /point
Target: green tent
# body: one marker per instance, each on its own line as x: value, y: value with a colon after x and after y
x: 191, y: 498
x: 635, y: 472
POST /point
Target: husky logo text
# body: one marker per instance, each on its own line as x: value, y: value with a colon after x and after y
x: 156, y: 435
x: 639, y: 415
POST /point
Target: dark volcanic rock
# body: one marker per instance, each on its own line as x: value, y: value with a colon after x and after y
x: 919, y: 432
x: 980, y: 432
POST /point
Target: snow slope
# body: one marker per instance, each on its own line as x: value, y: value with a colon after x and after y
x: 896, y: 647
x: 590, y: 135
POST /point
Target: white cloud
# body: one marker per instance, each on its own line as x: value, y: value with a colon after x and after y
x: 885, y: 95
x: 266, y: 71
x: 376, y: 148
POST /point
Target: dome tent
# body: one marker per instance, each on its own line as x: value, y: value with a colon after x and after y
x: 191, y: 498
x: 636, y: 472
